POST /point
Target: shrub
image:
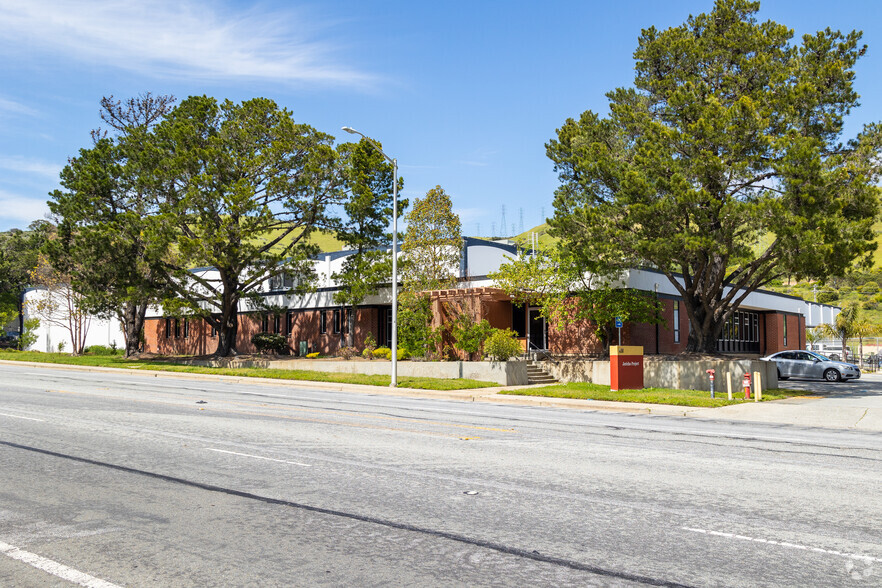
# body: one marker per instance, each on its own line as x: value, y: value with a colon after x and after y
x: 8, y: 342
x: 369, y: 345
x: 870, y: 288
x: 415, y: 332
x: 269, y: 342
x: 382, y: 352
x: 469, y: 334
x: 312, y: 355
x: 30, y: 335
x: 502, y: 344
x: 402, y: 354
x: 827, y: 296
x: 347, y: 352
x: 102, y: 350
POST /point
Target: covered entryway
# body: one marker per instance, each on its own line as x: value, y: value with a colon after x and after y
x: 537, y: 331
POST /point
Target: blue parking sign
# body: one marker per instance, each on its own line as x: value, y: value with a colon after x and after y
x: 618, y: 323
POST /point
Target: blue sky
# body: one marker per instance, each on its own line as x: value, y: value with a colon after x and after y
x: 463, y: 94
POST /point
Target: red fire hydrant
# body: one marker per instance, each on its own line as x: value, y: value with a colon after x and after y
x: 747, y: 386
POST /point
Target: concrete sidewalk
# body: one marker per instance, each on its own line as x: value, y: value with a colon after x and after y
x: 858, y: 407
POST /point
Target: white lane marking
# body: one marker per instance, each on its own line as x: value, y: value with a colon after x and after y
x: 53, y: 567
x: 306, y: 465
x: 15, y: 416
x: 866, y: 558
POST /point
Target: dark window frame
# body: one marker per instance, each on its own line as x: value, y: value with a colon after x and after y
x: 676, y: 321
x: 323, y: 322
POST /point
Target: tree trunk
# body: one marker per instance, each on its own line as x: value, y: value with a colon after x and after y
x: 229, y: 325
x: 704, y: 329
x: 350, y: 319
x: 133, y: 324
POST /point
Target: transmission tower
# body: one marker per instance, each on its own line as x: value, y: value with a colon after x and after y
x: 502, y: 226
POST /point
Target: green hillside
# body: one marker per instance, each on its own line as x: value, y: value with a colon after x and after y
x: 326, y: 240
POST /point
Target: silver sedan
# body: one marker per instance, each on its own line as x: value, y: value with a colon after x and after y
x: 811, y: 365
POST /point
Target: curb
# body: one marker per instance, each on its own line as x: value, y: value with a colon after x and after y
x: 490, y: 395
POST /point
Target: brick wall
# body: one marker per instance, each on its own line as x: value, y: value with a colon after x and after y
x: 296, y: 326
x: 773, y: 323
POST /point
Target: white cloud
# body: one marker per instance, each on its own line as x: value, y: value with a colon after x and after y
x: 15, y: 107
x: 20, y: 211
x: 30, y: 166
x: 184, y: 38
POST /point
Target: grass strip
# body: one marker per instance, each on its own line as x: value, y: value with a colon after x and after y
x: 301, y: 375
x: 699, y: 398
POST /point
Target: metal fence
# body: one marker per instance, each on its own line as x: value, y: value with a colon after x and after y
x: 867, y: 355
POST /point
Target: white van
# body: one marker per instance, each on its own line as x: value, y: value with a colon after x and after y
x: 834, y: 352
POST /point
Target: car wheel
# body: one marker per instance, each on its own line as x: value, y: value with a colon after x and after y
x: 832, y: 375
x: 780, y: 377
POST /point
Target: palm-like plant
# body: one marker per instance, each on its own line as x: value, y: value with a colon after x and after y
x: 813, y: 336
x: 848, y: 324
x: 863, y: 328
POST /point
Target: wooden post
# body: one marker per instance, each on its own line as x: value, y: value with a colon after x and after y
x: 758, y: 387
x: 729, y: 385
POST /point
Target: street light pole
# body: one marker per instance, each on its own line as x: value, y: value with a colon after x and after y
x: 394, y: 162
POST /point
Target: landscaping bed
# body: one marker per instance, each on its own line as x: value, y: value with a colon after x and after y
x: 699, y: 398
x: 168, y: 364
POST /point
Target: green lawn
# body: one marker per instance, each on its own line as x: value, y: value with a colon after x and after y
x: 304, y: 375
x: 700, y: 398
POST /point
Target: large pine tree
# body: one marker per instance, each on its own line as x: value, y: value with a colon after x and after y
x: 723, y: 167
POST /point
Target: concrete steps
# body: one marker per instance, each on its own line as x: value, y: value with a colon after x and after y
x: 537, y: 375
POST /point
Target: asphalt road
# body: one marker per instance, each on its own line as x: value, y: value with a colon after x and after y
x: 129, y: 480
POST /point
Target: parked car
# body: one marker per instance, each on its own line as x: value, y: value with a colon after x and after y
x: 811, y: 365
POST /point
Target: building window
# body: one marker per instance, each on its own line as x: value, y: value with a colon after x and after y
x: 323, y: 322
x: 336, y: 321
x: 186, y: 328
x: 676, y: 321
x: 168, y: 328
x: 290, y: 326
x: 264, y: 324
x: 213, y: 331
x: 177, y: 328
x: 277, y: 324
x: 785, y: 330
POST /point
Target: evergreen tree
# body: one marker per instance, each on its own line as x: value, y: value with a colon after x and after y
x: 723, y: 166
x: 368, y: 210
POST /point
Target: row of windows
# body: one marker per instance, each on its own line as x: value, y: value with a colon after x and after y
x: 340, y: 322
x: 281, y: 282
x: 176, y: 328
x: 744, y: 326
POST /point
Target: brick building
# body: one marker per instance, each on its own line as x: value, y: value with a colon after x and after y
x: 765, y: 323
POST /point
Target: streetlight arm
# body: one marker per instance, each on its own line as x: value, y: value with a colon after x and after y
x: 369, y: 140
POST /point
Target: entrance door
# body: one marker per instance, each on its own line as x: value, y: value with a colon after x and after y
x: 538, y: 331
